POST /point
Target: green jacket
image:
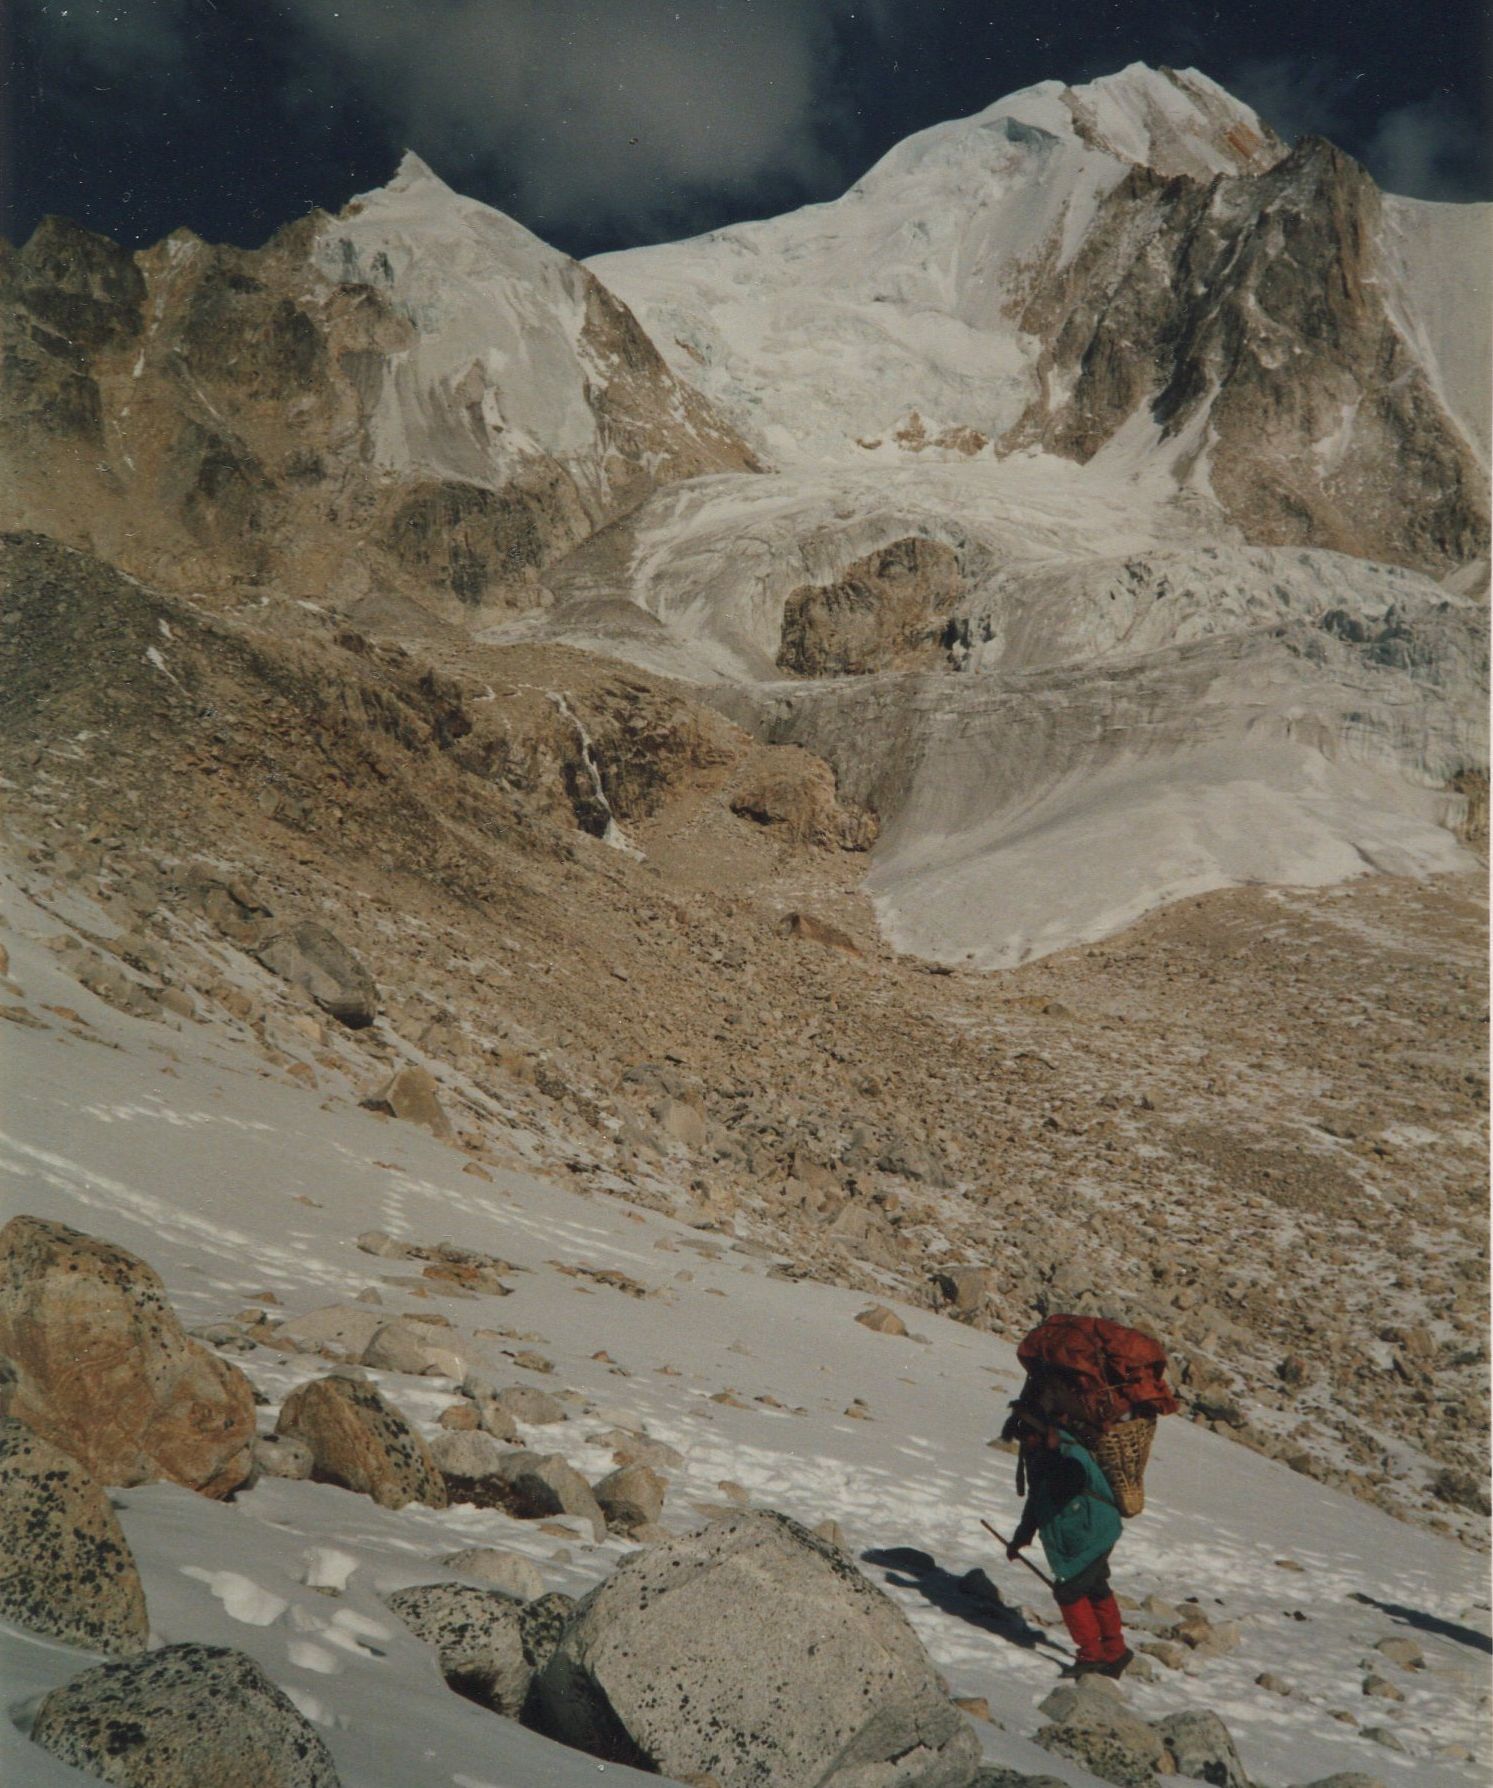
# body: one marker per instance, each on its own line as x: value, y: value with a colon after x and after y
x: 1070, y: 1507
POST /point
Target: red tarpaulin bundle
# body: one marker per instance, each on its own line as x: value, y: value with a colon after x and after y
x: 1102, y: 1371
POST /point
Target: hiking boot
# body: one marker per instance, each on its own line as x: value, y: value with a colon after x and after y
x: 1113, y: 1666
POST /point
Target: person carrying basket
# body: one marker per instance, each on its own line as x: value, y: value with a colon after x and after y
x: 1071, y: 1508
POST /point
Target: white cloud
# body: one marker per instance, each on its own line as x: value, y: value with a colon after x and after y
x: 598, y: 110
x: 1430, y: 150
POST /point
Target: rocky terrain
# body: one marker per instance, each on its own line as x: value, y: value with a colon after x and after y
x: 1255, y: 1122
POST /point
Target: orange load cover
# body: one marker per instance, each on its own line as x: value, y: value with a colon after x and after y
x: 1113, y: 1372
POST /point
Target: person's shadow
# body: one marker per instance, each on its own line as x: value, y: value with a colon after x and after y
x: 1428, y: 1623
x: 972, y: 1598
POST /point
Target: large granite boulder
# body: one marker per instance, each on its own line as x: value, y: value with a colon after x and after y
x: 489, y: 1644
x: 752, y: 1653
x: 320, y: 964
x: 361, y: 1442
x: 97, y: 1363
x: 66, y: 1569
x: 190, y: 1716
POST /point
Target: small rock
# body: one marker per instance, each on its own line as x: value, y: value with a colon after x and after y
x: 962, y: 1288
x: 320, y: 964
x: 406, y: 1346
x: 338, y: 1331
x: 496, y: 1421
x: 374, y: 1241
x: 882, y: 1321
x: 411, y: 1094
x: 631, y: 1497
x: 1381, y: 1689
x: 509, y: 1572
x: 282, y: 1457
x: 527, y: 1403
x: 466, y: 1458
x: 1164, y: 1652
x: 461, y: 1418
x: 639, y: 1449
x: 535, y: 1485
x: 1277, y: 1685
x: 1404, y: 1652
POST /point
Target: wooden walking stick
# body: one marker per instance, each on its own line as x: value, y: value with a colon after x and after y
x: 1026, y: 1561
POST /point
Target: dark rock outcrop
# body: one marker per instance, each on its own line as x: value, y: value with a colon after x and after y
x: 1254, y: 311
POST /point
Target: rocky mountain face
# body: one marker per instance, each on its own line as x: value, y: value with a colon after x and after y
x: 1252, y: 318
x: 945, y: 732
x: 417, y: 400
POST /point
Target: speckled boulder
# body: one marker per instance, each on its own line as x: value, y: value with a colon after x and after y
x: 191, y: 1716
x: 753, y: 1653
x: 489, y: 1644
x: 100, y: 1366
x: 1201, y: 1746
x: 66, y: 1569
x: 361, y: 1442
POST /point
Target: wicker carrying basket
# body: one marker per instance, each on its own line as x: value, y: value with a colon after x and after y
x: 1122, y: 1452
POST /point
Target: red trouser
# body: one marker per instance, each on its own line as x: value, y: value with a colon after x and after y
x: 1092, y: 1615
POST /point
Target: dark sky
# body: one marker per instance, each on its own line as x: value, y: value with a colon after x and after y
x: 604, y: 123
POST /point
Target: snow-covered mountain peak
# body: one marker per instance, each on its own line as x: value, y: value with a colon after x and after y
x: 1175, y: 122
x: 413, y: 171
x: 417, y: 218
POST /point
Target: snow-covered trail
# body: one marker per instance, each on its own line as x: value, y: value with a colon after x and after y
x: 233, y: 1181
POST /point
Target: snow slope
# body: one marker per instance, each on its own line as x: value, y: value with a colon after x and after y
x: 234, y: 1181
